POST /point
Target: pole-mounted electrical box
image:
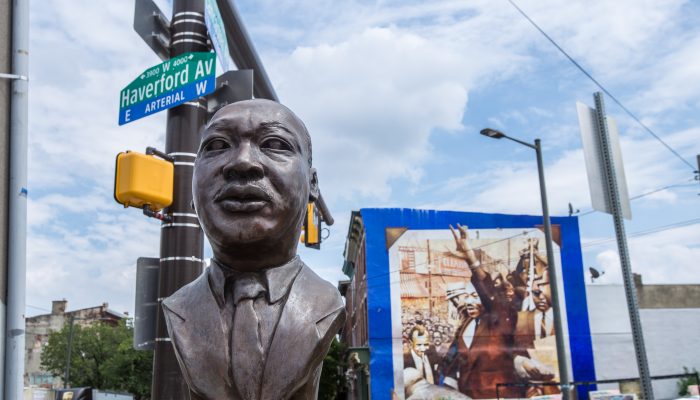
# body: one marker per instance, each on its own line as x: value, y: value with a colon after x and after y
x: 143, y: 180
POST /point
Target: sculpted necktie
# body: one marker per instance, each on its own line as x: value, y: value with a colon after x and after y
x: 246, y: 348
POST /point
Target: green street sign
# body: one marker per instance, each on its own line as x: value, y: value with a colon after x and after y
x: 171, y: 83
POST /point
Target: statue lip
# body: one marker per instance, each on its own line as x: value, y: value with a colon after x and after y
x: 243, y: 198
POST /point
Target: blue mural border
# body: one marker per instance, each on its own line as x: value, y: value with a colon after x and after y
x: 376, y: 220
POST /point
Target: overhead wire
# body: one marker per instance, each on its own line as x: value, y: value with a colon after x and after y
x: 525, y: 232
x: 649, y: 231
x: 606, y: 91
x: 683, y: 183
x: 528, y: 231
x: 645, y: 232
x: 38, y: 308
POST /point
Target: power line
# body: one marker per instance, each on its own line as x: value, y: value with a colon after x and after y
x: 649, y: 231
x: 577, y: 65
x: 683, y: 183
x: 527, y: 231
x: 38, y: 308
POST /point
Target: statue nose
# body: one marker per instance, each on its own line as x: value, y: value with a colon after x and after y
x: 244, y: 163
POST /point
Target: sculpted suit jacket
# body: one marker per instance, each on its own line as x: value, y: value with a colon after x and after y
x: 311, y: 315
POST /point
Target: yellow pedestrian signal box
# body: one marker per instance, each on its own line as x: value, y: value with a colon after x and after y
x: 143, y: 180
x: 311, y: 236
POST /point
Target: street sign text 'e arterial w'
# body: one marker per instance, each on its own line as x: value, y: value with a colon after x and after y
x: 167, y: 85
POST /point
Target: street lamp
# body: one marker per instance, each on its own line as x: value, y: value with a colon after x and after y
x: 563, y: 371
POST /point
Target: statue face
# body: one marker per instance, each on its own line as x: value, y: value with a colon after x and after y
x: 252, y: 178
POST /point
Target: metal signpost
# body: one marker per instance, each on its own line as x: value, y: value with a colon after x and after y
x: 595, y: 130
x: 153, y: 27
x: 181, y: 240
x: 169, y: 84
x: 146, y: 304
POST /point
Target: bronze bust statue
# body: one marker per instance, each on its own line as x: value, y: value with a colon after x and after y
x: 258, y: 322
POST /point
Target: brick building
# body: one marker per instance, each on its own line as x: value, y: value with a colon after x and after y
x: 39, y: 327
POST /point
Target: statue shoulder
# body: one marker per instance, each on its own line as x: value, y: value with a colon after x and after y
x: 319, y: 288
x: 182, y: 300
x: 324, y: 301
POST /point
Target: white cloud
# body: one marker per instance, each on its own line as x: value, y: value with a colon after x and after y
x: 677, y: 76
x: 371, y: 103
x: 90, y: 266
x: 514, y: 187
x: 663, y: 257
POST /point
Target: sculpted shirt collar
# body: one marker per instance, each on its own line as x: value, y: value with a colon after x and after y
x: 277, y: 280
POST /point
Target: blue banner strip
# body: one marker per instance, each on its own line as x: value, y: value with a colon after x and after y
x: 167, y: 100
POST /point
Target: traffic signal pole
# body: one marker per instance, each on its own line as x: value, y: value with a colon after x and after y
x: 181, y: 240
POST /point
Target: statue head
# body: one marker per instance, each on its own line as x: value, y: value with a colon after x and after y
x: 252, y: 182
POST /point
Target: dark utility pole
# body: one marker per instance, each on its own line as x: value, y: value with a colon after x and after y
x: 181, y: 240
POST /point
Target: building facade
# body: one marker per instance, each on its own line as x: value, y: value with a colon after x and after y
x: 39, y: 327
x: 670, y: 318
x: 354, y: 290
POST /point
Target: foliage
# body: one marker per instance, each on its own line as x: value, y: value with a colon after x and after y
x: 683, y: 383
x: 102, y: 357
x: 332, y: 379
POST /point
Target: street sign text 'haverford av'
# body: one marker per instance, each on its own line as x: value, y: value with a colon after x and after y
x: 167, y: 85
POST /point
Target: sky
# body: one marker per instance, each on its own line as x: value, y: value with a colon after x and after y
x: 394, y: 94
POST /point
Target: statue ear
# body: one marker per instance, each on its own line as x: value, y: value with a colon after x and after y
x: 313, y: 185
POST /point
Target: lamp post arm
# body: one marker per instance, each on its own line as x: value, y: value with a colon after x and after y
x: 530, y: 145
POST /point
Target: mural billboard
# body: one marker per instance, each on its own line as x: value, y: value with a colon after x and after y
x: 470, y: 304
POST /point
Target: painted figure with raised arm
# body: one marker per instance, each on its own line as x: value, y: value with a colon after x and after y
x: 479, y: 356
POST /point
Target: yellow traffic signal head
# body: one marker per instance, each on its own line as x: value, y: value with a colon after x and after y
x: 143, y: 180
x: 311, y: 235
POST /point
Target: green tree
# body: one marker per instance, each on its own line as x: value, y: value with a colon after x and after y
x: 684, y: 382
x: 102, y: 357
x: 332, y: 379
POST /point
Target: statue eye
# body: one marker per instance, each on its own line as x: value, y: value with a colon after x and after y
x: 216, y: 145
x: 276, y: 144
